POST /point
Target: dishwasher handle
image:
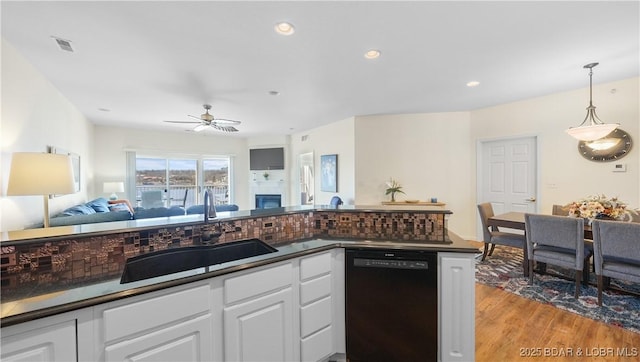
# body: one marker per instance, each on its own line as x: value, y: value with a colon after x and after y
x: 391, y: 264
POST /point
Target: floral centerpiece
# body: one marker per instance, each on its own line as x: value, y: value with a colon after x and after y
x: 600, y: 207
x: 392, y: 187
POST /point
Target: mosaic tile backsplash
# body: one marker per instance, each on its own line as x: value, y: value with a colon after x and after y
x: 77, y: 260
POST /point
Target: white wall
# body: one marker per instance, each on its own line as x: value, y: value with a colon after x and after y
x: 35, y: 115
x: 335, y: 138
x: 564, y: 174
x: 111, y: 143
x: 428, y: 154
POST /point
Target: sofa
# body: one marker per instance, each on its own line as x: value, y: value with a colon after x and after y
x: 100, y: 210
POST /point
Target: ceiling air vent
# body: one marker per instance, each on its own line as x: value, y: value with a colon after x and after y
x: 63, y: 44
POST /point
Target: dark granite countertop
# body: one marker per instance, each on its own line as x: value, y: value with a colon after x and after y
x: 41, y: 301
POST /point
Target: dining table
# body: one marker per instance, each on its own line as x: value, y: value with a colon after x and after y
x: 515, y: 220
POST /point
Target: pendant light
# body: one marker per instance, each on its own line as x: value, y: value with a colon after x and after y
x: 595, y: 129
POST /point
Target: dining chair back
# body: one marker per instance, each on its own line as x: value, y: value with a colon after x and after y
x: 557, y: 240
x: 492, y: 235
x: 336, y: 201
x: 560, y: 210
x: 616, y: 252
x: 151, y: 199
x: 184, y: 200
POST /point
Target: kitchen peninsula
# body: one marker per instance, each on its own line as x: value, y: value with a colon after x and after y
x: 288, y: 305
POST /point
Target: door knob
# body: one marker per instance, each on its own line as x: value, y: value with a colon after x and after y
x: 531, y: 199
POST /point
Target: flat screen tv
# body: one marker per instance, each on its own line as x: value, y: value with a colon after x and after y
x: 266, y: 159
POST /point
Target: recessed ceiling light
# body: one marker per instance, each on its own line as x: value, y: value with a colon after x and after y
x: 274, y: 93
x: 284, y: 28
x: 104, y: 110
x: 372, y: 54
x: 473, y: 83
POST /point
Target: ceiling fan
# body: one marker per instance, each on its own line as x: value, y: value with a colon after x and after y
x: 207, y: 120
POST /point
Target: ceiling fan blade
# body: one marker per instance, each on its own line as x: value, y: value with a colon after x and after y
x: 224, y: 128
x: 199, y: 127
x: 223, y: 121
x: 196, y: 117
x: 181, y: 122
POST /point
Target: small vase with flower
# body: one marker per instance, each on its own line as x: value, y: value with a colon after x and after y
x: 392, y: 187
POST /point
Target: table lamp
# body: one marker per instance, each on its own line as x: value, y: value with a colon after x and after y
x: 40, y: 174
x: 113, y: 187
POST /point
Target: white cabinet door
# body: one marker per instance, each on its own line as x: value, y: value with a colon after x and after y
x: 260, y: 329
x: 457, y: 306
x: 169, y: 325
x: 187, y: 341
x: 43, y: 343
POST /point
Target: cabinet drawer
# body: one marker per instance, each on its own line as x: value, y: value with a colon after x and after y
x: 315, y: 265
x: 186, y: 341
x: 315, y: 316
x: 257, y: 283
x: 151, y: 313
x: 44, y: 343
x: 315, y: 289
x: 317, y: 346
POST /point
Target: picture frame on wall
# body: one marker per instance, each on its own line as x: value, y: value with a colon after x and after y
x: 75, y: 162
x: 329, y: 173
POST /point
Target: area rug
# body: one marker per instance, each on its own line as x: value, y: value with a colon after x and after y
x: 504, y: 270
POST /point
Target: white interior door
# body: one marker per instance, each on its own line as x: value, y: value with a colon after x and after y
x: 507, y: 174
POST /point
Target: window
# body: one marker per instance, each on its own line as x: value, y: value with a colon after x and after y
x: 161, y: 181
x: 216, y: 178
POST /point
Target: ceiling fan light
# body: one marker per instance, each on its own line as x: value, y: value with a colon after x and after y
x: 199, y: 127
x: 592, y: 132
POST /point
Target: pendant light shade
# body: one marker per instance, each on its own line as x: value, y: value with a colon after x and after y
x: 595, y: 129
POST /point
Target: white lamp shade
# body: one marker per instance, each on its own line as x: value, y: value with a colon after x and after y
x: 113, y: 187
x: 40, y: 174
x: 592, y: 132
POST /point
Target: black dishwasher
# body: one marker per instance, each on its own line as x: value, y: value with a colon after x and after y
x: 391, y: 305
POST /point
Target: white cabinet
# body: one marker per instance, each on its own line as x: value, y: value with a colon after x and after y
x: 457, y: 306
x: 185, y: 341
x: 171, y: 325
x: 258, y: 315
x: 316, y: 307
x: 47, y: 339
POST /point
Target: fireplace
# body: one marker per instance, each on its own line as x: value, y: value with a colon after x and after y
x: 268, y: 201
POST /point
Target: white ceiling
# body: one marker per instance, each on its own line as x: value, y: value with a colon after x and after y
x: 150, y: 61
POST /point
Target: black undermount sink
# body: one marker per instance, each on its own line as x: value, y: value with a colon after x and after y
x: 169, y: 261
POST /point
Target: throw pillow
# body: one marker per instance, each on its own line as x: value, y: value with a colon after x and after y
x: 119, y: 207
x: 79, y: 210
x: 99, y: 205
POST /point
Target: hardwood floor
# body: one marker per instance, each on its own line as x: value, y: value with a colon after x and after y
x: 513, y: 328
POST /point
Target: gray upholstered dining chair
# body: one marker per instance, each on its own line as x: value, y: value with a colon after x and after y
x: 492, y: 236
x: 616, y: 251
x: 557, y: 240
